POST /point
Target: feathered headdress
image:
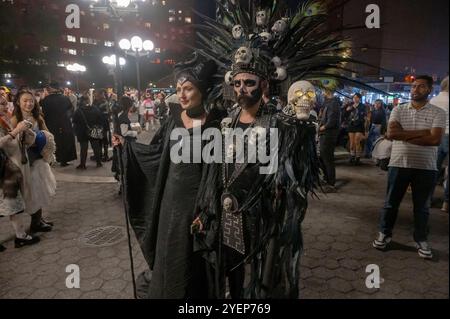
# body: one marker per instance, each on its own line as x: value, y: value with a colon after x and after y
x: 281, y: 48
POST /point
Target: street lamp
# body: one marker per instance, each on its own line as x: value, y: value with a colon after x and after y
x: 77, y: 69
x: 115, y: 9
x: 137, y: 48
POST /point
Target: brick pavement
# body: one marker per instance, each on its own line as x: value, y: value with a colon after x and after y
x: 338, y: 231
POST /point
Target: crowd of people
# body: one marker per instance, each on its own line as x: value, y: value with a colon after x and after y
x: 229, y: 227
x: 39, y: 127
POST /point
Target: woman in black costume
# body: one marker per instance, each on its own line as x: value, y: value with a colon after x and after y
x: 161, y: 193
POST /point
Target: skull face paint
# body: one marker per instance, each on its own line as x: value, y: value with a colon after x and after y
x: 238, y: 32
x: 301, y: 99
x: 247, y: 88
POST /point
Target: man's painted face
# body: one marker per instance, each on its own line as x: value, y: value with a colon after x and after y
x: 189, y: 95
x: 247, y: 88
x: 356, y: 99
x: 420, y: 90
x: 26, y: 103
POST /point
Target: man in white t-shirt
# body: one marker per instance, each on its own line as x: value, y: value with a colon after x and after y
x: 416, y: 129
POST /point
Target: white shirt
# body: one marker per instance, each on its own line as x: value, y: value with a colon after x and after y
x: 442, y: 101
x: 407, y: 155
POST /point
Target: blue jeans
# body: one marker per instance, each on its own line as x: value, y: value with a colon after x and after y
x: 421, y: 182
x: 442, y: 151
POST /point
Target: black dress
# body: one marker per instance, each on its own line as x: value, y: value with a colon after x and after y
x: 161, y: 199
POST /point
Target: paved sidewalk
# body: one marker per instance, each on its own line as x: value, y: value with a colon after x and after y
x: 338, y: 231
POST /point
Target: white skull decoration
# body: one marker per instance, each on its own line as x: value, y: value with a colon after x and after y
x: 229, y: 77
x: 238, y: 32
x: 228, y: 205
x: 280, y: 74
x: 261, y: 18
x: 276, y: 61
x: 243, y: 55
x: 301, y: 99
x: 226, y: 123
x: 265, y: 37
x: 279, y: 27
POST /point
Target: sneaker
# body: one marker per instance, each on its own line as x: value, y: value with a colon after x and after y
x: 81, y: 166
x: 424, y: 250
x: 382, y: 241
x: 30, y: 240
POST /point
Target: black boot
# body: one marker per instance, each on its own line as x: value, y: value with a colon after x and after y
x: 358, y: 161
x: 2, y: 248
x: 19, y: 242
x: 352, y: 160
x: 38, y: 225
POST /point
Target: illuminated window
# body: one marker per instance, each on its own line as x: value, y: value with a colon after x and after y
x: 88, y: 41
x: 72, y: 51
x: 109, y: 44
x: 171, y: 19
x: 105, y: 26
x: 148, y: 25
x: 44, y: 48
x: 163, y: 2
x: 71, y: 38
x: 188, y: 20
x: 157, y: 50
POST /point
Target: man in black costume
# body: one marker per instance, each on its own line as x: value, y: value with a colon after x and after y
x: 57, y: 109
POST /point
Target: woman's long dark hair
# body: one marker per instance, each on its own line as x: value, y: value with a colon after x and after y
x: 36, y: 112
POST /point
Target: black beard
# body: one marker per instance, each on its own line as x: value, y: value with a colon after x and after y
x: 246, y: 101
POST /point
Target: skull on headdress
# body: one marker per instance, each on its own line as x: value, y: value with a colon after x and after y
x: 261, y: 18
x: 243, y: 55
x: 238, y: 32
x: 279, y: 27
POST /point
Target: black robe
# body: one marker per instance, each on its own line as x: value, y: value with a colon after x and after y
x: 161, y: 199
x: 272, y: 207
x: 57, y: 109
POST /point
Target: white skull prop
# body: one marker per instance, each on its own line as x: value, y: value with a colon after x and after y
x: 265, y: 37
x: 276, y: 62
x: 261, y: 18
x: 238, y: 32
x: 279, y: 27
x: 228, y: 205
x: 280, y: 74
x: 226, y: 123
x: 229, y: 77
x: 243, y: 55
x: 301, y: 99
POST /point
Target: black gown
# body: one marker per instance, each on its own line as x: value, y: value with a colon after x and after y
x: 161, y: 199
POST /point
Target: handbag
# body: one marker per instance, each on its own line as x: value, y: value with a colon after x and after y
x: 95, y: 132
